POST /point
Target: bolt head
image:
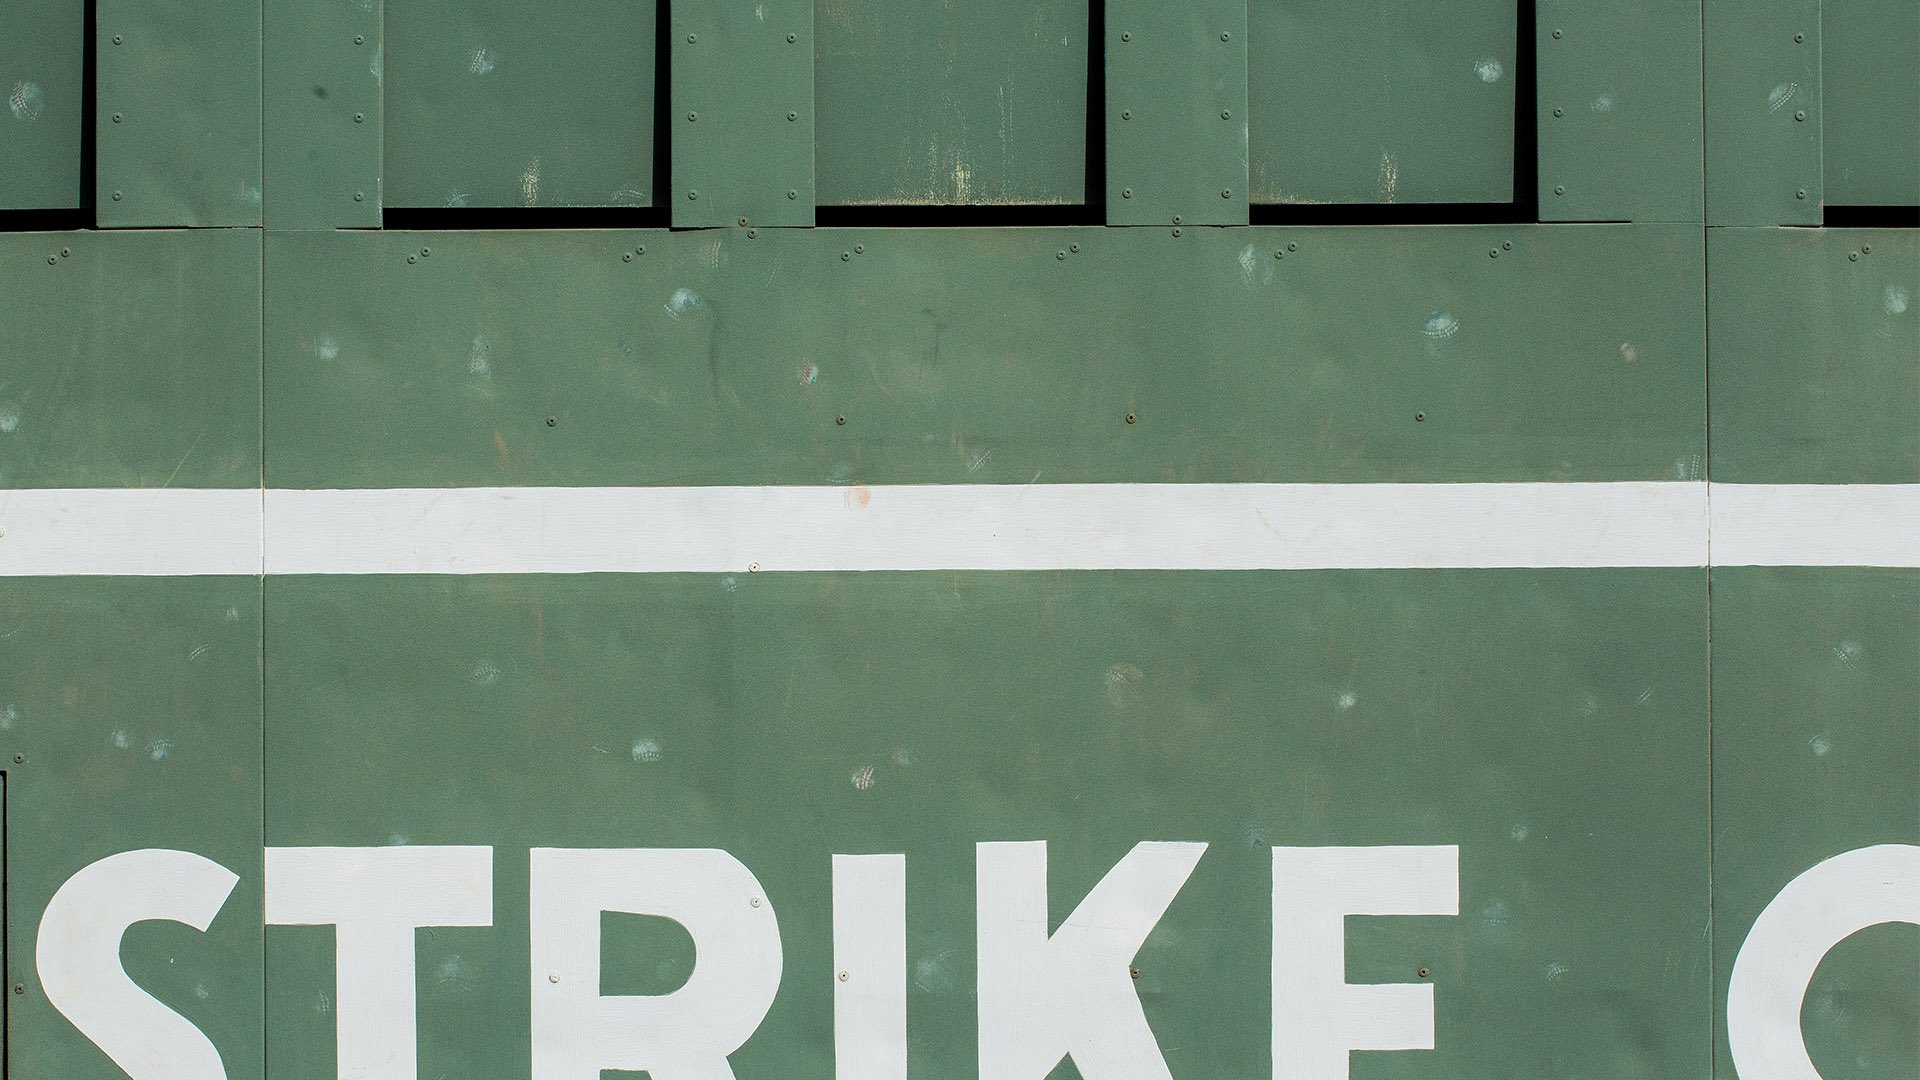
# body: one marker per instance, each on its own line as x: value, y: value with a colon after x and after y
x: 791, y: 38
x: 692, y: 39
x: 359, y: 39
x: 117, y: 196
x: 1226, y: 36
x: 1126, y: 37
x: 693, y: 196
x: 1176, y: 232
x: 1559, y: 189
x: 1797, y: 38
x: 692, y: 116
x: 1558, y: 34
x: 117, y: 39
x: 1293, y: 247
x: 1126, y: 193
x: 792, y: 194
x: 1559, y: 112
x: 1800, y: 115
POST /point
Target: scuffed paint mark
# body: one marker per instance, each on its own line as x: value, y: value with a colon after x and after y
x: 962, y: 181
x: 1894, y: 301
x: 1821, y: 744
x: 158, y: 749
x: 976, y: 461
x: 9, y: 419
x: 481, y: 62
x: 683, y: 302
x: 1519, y: 833
x: 27, y: 101
x: 201, y: 992
x: 901, y: 756
x: 1389, y: 177
x: 455, y: 199
x: 1848, y: 654
x: 484, y: 674
x: 1489, y: 70
x: 454, y: 974
x: 530, y: 183
x: 122, y: 739
x: 937, y: 974
x: 327, y: 349
x: 500, y: 449
x: 1690, y: 468
x: 1604, y: 103
x: 8, y: 716
x: 857, y: 498
x: 323, y: 1005
x: 1123, y: 685
x: 1497, y: 915
x: 1346, y: 701
x: 480, y: 356
x: 729, y: 583
x: 375, y: 64
x: 629, y: 197
x: 646, y: 751
x: 200, y: 653
x: 398, y: 839
x: 1558, y: 970
x: 1629, y: 352
x: 808, y: 374
x: 1251, y: 264
x: 1440, y: 326
x: 1781, y: 95
x: 760, y: 12
x: 232, y: 614
x: 863, y: 778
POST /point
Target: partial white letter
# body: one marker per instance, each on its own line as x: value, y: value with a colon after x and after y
x: 1816, y: 911
x: 1043, y: 998
x: 685, y: 1035
x: 375, y: 898
x: 1317, y: 1015
x: 78, y: 954
x: 870, y: 967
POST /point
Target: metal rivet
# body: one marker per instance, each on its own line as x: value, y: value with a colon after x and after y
x: 53, y: 260
x: 1061, y: 254
x: 117, y: 118
x: 792, y: 116
x: 1226, y: 36
x: 117, y: 39
x: 1559, y: 189
x: 1865, y: 249
x: 553, y: 421
x: 1797, y: 38
x: 846, y: 256
x: 1801, y: 194
x: 424, y: 252
x: 791, y: 38
x: 691, y: 39
x: 66, y: 253
x: 1075, y: 248
x: 1293, y: 247
x: 1279, y: 254
x: 641, y: 250
x: 754, y: 568
x: 1133, y: 973
x: 1557, y: 34
x: 1176, y: 232
x: 751, y: 233
x: 359, y: 118
x: 843, y: 976
x: 1126, y: 37
x: 19, y: 988
x: 19, y: 759
x: 553, y: 977
x: 840, y: 421
x: 1506, y: 245
x: 743, y: 220
x: 358, y: 196
x: 859, y: 249
x: 1226, y: 114
x: 1853, y: 256
x: 117, y: 196
x: 1800, y: 115
x: 1176, y: 219
x: 1126, y: 114
x: 756, y: 900
x: 792, y: 194
x: 413, y: 258
x: 1559, y: 112
x: 692, y: 116
x: 1421, y: 417
x: 1126, y: 193
x: 359, y: 39
x: 628, y: 257
x: 1423, y: 971
x: 693, y: 196
x: 1131, y: 419
x: 1494, y: 254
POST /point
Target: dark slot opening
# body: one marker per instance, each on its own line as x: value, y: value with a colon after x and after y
x: 89, y: 108
x: 1870, y: 217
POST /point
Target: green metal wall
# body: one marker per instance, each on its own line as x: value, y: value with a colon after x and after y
x: 1647, y: 274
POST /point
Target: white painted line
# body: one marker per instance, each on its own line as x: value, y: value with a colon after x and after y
x: 160, y: 532
x: 984, y: 527
x: 1816, y: 524
x: 938, y: 527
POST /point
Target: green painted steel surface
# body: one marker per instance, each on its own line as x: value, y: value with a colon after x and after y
x: 1176, y: 113
x: 985, y: 356
x: 928, y: 102
x: 177, y: 128
x: 1870, y: 80
x: 322, y: 132
x: 1815, y: 339
x: 1763, y: 118
x: 743, y: 146
x: 511, y: 104
x: 40, y: 134
x: 1382, y: 103
x: 1619, y: 111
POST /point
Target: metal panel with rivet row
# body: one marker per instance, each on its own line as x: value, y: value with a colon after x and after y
x: 501, y: 103
x: 177, y: 125
x: 1619, y: 104
x: 742, y: 116
x: 1763, y: 113
x: 322, y: 74
x: 1176, y: 85
x: 1870, y: 82
x: 1395, y: 102
x: 42, y: 74
x: 927, y: 103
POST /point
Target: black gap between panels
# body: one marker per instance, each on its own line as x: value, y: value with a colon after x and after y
x: 1870, y: 217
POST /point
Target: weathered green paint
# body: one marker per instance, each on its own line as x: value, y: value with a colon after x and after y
x: 1815, y: 350
x: 323, y: 126
x: 1176, y: 84
x: 1763, y: 112
x: 131, y: 359
x: 1382, y: 103
x: 177, y: 130
x: 497, y: 103
x: 926, y: 102
x: 743, y: 115
x: 40, y: 133
x: 986, y: 356
x: 1869, y: 80
x: 1619, y: 111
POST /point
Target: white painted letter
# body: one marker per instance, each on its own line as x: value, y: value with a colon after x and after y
x: 870, y: 967
x: 1317, y: 1015
x: 684, y: 1035
x: 1816, y: 911
x: 78, y: 954
x: 375, y: 898
x: 1043, y: 998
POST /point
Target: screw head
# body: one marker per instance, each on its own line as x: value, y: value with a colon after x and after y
x: 692, y: 116
x: 1279, y: 253
x: 846, y: 256
x: 1176, y: 219
x: 117, y: 118
x: 1420, y: 418
x: 359, y: 39
x: 1853, y: 256
x: 413, y: 258
x: 1423, y: 971
x: 628, y: 257
x: 117, y: 196
x: 1506, y: 245
x: 751, y: 233
x: 1558, y: 34
x: 792, y: 116
x: 1559, y: 189
x: 1226, y: 194
x: 1224, y: 36
x: 1801, y: 194
x: 19, y: 759
x: 424, y: 252
x: 359, y: 118
x: 791, y: 38
x: 641, y: 250
x: 1126, y: 114
x: 859, y: 249
x: 1133, y: 973
x: 52, y: 259
x: 358, y: 196
x: 1176, y: 232
x: 840, y: 421
x: 553, y: 977
x: 1061, y: 254
x: 553, y: 421
x: 66, y: 253
x: 1226, y: 114
x: 1559, y: 112
x: 1865, y: 249
x: 1126, y: 37
x: 756, y: 900
x: 1494, y: 254
x: 792, y: 194
x: 1797, y: 38
x: 1800, y: 114
x: 693, y: 196
x: 843, y: 976
x: 1293, y: 247
x: 1126, y: 193
x: 1075, y: 248
x: 19, y: 988
x: 692, y: 39
x: 117, y: 39
x: 1132, y: 419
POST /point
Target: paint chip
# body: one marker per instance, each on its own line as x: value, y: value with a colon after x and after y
x: 1489, y: 70
x: 27, y: 101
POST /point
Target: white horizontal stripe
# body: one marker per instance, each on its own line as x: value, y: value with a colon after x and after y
x: 164, y: 532
x: 984, y: 527
x: 1816, y: 524
x: 937, y: 527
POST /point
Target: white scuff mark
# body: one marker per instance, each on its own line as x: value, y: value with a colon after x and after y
x: 730, y: 583
x: 1692, y: 467
x: 199, y: 654
x: 808, y: 373
x: 863, y: 778
x: 902, y: 756
x: 1629, y: 352
x: 935, y: 974
x: 8, y: 716
x: 1820, y: 744
x: 760, y: 12
x: 201, y: 992
x: 1250, y: 262
x: 1604, y: 103
x: 1345, y: 701
x: 122, y: 739
x: 233, y: 614
x: 1848, y: 654
x: 977, y: 460
x: 683, y: 302
x: 646, y: 751
x: 484, y: 674
x: 455, y: 198
x: 1123, y: 685
x: 1489, y: 70
x: 374, y: 65
x: 250, y: 194
x: 480, y: 356
x: 9, y: 419
x: 1895, y: 300
x: 1781, y: 95
x: 1440, y: 326
x: 1519, y: 833
x: 1497, y: 915
x: 158, y: 749
x: 398, y: 839
x: 327, y: 349
x: 27, y: 101
x: 481, y: 62
x: 1389, y: 176
x: 530, y: 183
x: 962, y: 180
x: 629, y: 197
x: 1558, y: 970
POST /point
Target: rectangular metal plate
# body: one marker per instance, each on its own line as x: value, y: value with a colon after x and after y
x: 1382, y: 103
x: 323, y: 100
x: 743, y: 114
x: 1763, y: 112
x: 1619, y: 111
x: 930, y: 102
x: 1869, y: 81
x: 41, y: 72
x: 1177, y: 113
x: 177, y: 128
x: 502, y: 103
